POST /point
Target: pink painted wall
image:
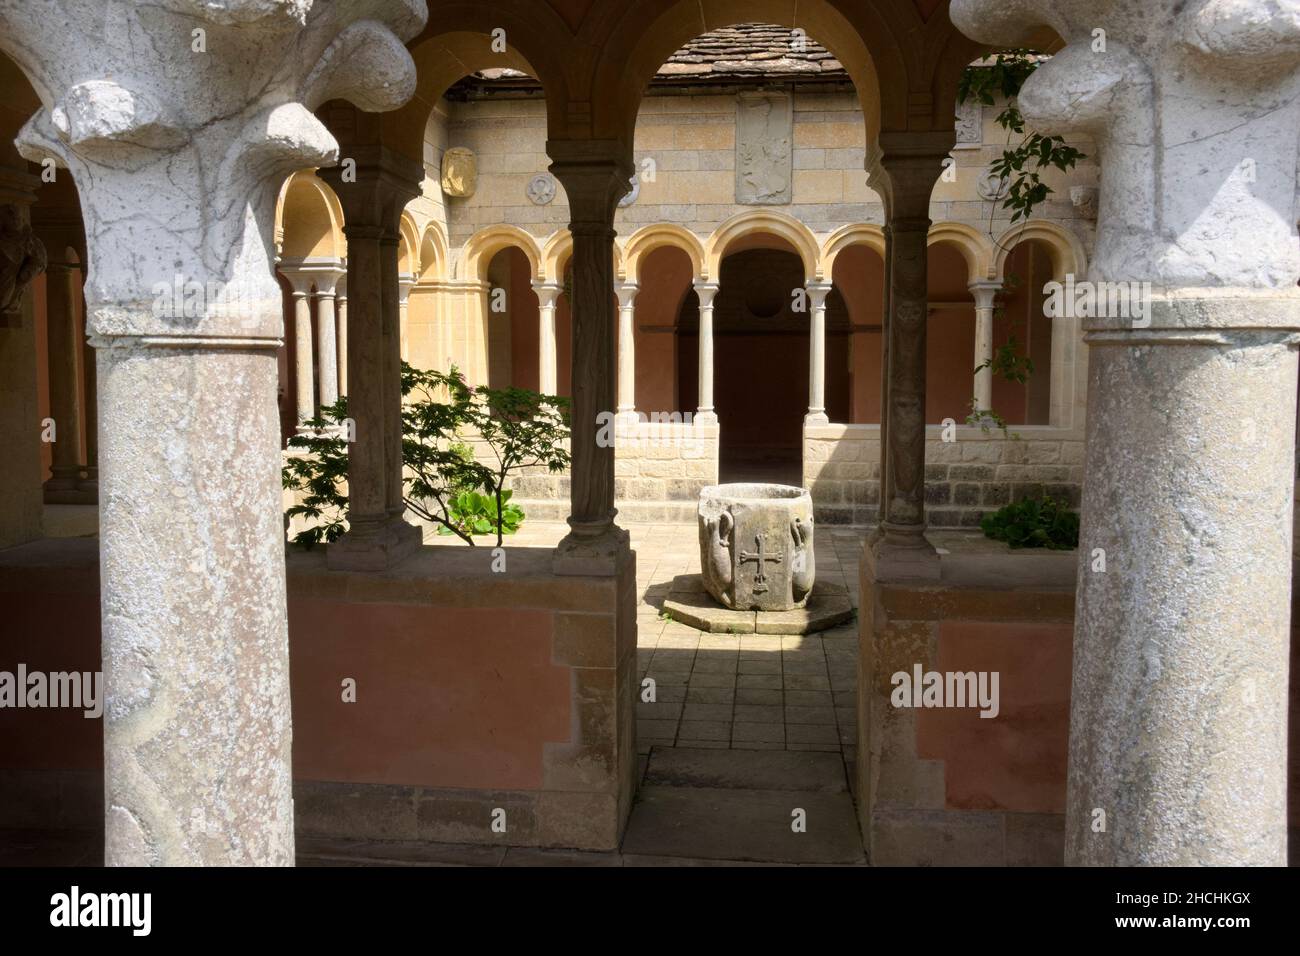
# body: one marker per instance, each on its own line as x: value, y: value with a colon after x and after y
x: 664, y: 282
x: 446, y: 697
x: 859, y: 277
x: 1016, y: 761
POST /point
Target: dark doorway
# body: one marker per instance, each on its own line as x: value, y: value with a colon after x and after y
x: 760, y: 364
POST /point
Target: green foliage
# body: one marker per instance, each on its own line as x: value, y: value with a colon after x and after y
x: 1021, y: 162
x: 474, y: 513
x: 987, y: 419
x: 1007, y: 362
x: 518, y: 429
x: 1033, y: 523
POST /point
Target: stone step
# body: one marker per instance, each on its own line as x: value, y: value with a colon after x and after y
x: 746, y: 769
x: 743, y: 825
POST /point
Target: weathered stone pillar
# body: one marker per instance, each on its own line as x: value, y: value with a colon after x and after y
x: 1179, y: 700
x: 626, y: 349
x: 378, y: 536
x: 984, y: 292
x: 883, y: 510
x: 909, y: 164
x: 817, y: 293
x: 595, y: 176
x: 547, y: 292
x: 705, y: 415
x: 63, y: 289
x: 341, y: 325
x: 186, y: 317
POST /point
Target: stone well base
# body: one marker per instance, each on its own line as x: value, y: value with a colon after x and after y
x: 689, y: 603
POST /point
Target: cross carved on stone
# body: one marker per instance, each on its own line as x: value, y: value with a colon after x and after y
x: 758, y: 557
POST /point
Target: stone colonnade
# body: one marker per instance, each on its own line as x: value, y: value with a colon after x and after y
x: 318, y: 370
x: 1179, y: 699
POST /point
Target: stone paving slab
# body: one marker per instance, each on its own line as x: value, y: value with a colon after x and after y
x: 751, y: 825
x: 746, y: 770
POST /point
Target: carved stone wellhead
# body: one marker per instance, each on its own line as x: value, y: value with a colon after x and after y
x: 756, y: 546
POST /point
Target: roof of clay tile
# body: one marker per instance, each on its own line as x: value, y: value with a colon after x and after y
x: 746, y: 53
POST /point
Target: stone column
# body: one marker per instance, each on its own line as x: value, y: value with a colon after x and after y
x: 341, y: 325
x: 186, y: 317
x: 909, y: 165
x: 817, y: 293
x: 1178, y: 722
x: 626, y: 349
x: 304, y: 374
x: 405, y: 283
x: 595, y: 176
x: 378, y: 537
x: 705, y: 415
x: 984, y: 292
x: 883, y: 511
x: 326, y: 329
x: 547, y: 292
x: 63, y: 288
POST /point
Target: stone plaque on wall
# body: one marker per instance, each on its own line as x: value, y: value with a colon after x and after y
x: 764, y: 148
x: 459, y: 172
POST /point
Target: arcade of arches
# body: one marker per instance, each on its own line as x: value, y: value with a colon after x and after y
x: 771, y: 245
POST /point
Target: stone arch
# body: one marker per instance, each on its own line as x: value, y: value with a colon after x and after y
x: 861, y: 35
x: 855, y: 233
x: 1065, y: 248
x: 459, y: 41
x: 555, y: 253
x: 973, y: 245
x: 309, y: 219
x: 484, y: 244
x: 763, y: 221
x: 657, y: 235
x: 408, y: 253
x: 433, y: 253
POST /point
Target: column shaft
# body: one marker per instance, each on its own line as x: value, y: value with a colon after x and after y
x: 627, y: 348
x: 303, y: 365
x: 342, y: 342
x: 817, y: 293
x: 546, y: 355
x: 984, y: 293
x: 705, y: 414
x: 325, y: 328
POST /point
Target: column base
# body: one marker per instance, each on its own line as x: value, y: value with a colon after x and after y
x: 816, y: 418
x: 592, y: 555
x: 370, y: 548
x: 703, y: 417
x: 69, y: 490
x: 901, y: 554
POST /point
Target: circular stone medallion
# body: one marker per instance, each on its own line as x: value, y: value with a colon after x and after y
x: 541, y: 189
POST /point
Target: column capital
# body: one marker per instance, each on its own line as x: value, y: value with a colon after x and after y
x: 984, y: 291
x: 547, y: 292
x: 1171, y: 92
x: 626, y: 292
x: 595, y: 174
x: 304, y: 272
x: 157, y: 126
x: 903, y: 167
x: 818, y: 291
x: 706, y: 291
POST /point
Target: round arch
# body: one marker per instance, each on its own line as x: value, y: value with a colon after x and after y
x: 484, y: 244
x: 555, y: 253
x: 861, y: 35
x: 763, y: 221
x: 433, y: 253
x: 973, y: 245
x: 655, y: 236
x: 309, y: 219
x: 408, y: 256
x: 1065, y: 248
x: 857, y: 233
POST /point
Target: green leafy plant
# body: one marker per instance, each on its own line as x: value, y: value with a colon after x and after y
x: 518, y: 429
x: 987, y: 419
x: 474, y: 513
x: 1021, y: 162
x: 1034, y: 523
